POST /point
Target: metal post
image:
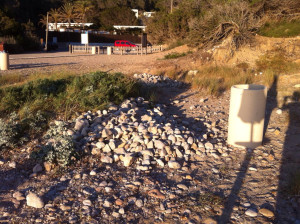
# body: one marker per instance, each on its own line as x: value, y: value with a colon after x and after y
x: 46, y: 46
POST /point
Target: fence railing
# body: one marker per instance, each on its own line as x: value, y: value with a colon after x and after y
x: 115, y: 50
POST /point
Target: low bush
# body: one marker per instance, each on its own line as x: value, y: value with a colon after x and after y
x: 174, y: 55
x: 11, y: 132
x: 34, y: 103
x: 216, y: 79
x: 68, y: 95
x: 277, y: 61
x: 281, y: 29
x: 59, y: 149
x: 15, y: 131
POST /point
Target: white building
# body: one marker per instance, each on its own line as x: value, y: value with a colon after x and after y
x: 62, y: 26
x: 121, y: 27
x: 148, y: 14
x: 136, y: 12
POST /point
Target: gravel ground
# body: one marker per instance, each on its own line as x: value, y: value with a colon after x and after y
x: 216, y: 183
x: 197, y: 178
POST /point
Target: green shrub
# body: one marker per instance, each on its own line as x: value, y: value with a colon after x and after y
x: 15, y: 131
x: 277, y: 61
x: 59, y: 149
x: 11, y: 132
x: 216, y: 79
x: 281, y: 29
x: 174, y: 55
x: 65, y: 96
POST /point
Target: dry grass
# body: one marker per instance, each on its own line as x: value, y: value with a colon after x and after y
x: 277, y: 61
x: 217, y: 79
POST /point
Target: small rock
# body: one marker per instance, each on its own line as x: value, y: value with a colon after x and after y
x: 159, y: 144
x: 37, y: 168
x: 160, y: 162
x: 80, y: 124
x: 65, y: 208
x: 279, y: 111
x: 119, y: 202
x: 174, y: 164
x: 34, y: 201
x: 209, y: 221
x: 122, y: 211
x: 106, y: 159
x: 182, y: 186
x: 251, y: 212
x: 48, y: 166
x: 18, y: 195
x: 87, y: 202
x: 266, y: 212
x: 12, y: 164
x: 208, y: 145
x: 107, y: 204
x: 139, y: 203
x: 128, y: 159
x: 156, y: 194
x: 93, y: 173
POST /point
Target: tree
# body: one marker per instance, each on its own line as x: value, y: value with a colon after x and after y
x: 117, y: 16
x: 54, y: 16
x: 82, y: 7
x: 8, y: 25
x: 68, y: 13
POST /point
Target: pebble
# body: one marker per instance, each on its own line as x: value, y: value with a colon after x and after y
x: 87, y: 202
x: 251, y: 212
x: 174, y: 164
x: 266, y: 212
x: 12, y: 164
x: 37, y: 168
x: 122, y: 211
x: 182, y: 186
x: 156, y: 194
x: 33, y: 200
x: 128, y: 159
x: 139, y: 203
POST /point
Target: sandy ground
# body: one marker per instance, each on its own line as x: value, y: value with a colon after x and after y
x: 42, y: 62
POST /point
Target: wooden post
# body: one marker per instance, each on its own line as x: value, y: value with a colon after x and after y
x: 70, y: 48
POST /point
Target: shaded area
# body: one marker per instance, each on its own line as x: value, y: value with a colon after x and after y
x: 249, y: 114
x: 271, y: 102
x: 233, y: 197
x: 288, y: 191
x: 37, y: 65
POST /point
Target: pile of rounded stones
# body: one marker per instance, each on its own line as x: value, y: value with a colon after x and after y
x: 135, y: 133
x: 159, y: 81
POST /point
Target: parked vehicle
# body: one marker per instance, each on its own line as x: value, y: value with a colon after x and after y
x: 124, y: 43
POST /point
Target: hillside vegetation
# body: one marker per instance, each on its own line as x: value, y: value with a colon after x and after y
x: 199, y: 23
x: 195, y: 22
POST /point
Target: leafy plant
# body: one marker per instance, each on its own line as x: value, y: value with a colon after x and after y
x: 174, y: 55
x: 59, y: 149
x: 67, y: 95
x: 11, y: 132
